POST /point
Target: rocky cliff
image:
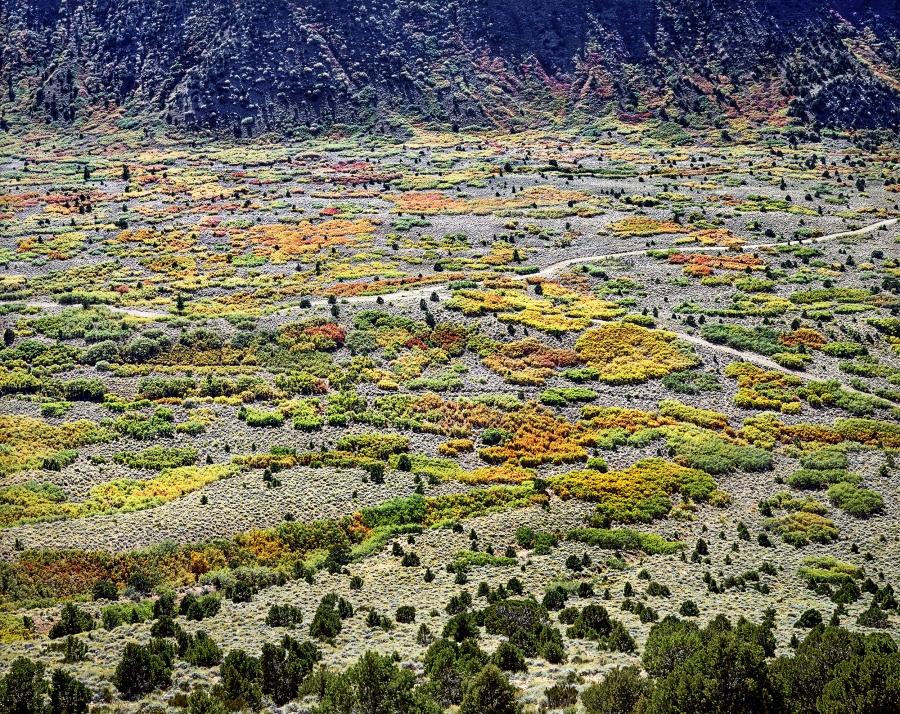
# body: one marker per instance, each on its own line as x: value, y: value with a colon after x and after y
x: 247, y: 66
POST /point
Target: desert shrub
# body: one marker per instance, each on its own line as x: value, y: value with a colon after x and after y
x: 592, y: 623
x: 873, y: 617
x: 164, y: 626
x: 670, y: 643
x: 489, y: 691
x: 810, y: 618
x: 105, y: 590
x: 23, y: 687
x: 856, y: 501
x: 509, y: 658
x: 562, y: 694
x: 461, y: 627
x: 199, y: 608
x: 689, y: 609
x: 67, y: 694
x: 199, y: 702
x: 374, y: 684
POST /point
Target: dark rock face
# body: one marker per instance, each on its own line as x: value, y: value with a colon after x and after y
x: 248, y: 66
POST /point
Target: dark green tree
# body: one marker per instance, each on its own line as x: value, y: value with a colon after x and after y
x: 727, y: 676
x: 144, y: 668
x: 199, y: 702
x: 285, y: 666
x: 241, y: 679
x: 67, y: 694
x: 72, y: 621
x: 23, y: 688
x: 375, y: 685
x: 326, y: 623
x: 105, y: 590
x: 203, y: 651
x: 670, y: 643
x: 622, y: 691
x: 490, y: 692
x: 863, y: 685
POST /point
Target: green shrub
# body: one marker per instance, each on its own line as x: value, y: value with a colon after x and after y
x: 164, y: 387
x: 395, y: 512
x: 285, y: 666
x: 374, y: 446
x: 824, y: 460
x: 818, y: 478
x: 859, y: 502
x: 260, y: 418
x: 843, y: 349
x: 157, y: 458
x: 873, y: 617
x: 561, y: 397
x: 691, y: 382
x: 202, y: 651
x: 55, y: 409
x: 625, y: 539
x: 760, y: 339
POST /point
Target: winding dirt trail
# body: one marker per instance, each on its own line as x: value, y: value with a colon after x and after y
x: 418, y: 293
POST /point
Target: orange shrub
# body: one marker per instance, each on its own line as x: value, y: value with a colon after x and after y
x: 528, y: 361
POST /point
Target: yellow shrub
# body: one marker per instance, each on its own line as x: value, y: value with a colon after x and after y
x: 625, y: 353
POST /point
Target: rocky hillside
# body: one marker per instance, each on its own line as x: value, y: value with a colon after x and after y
x: 247, y: 66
